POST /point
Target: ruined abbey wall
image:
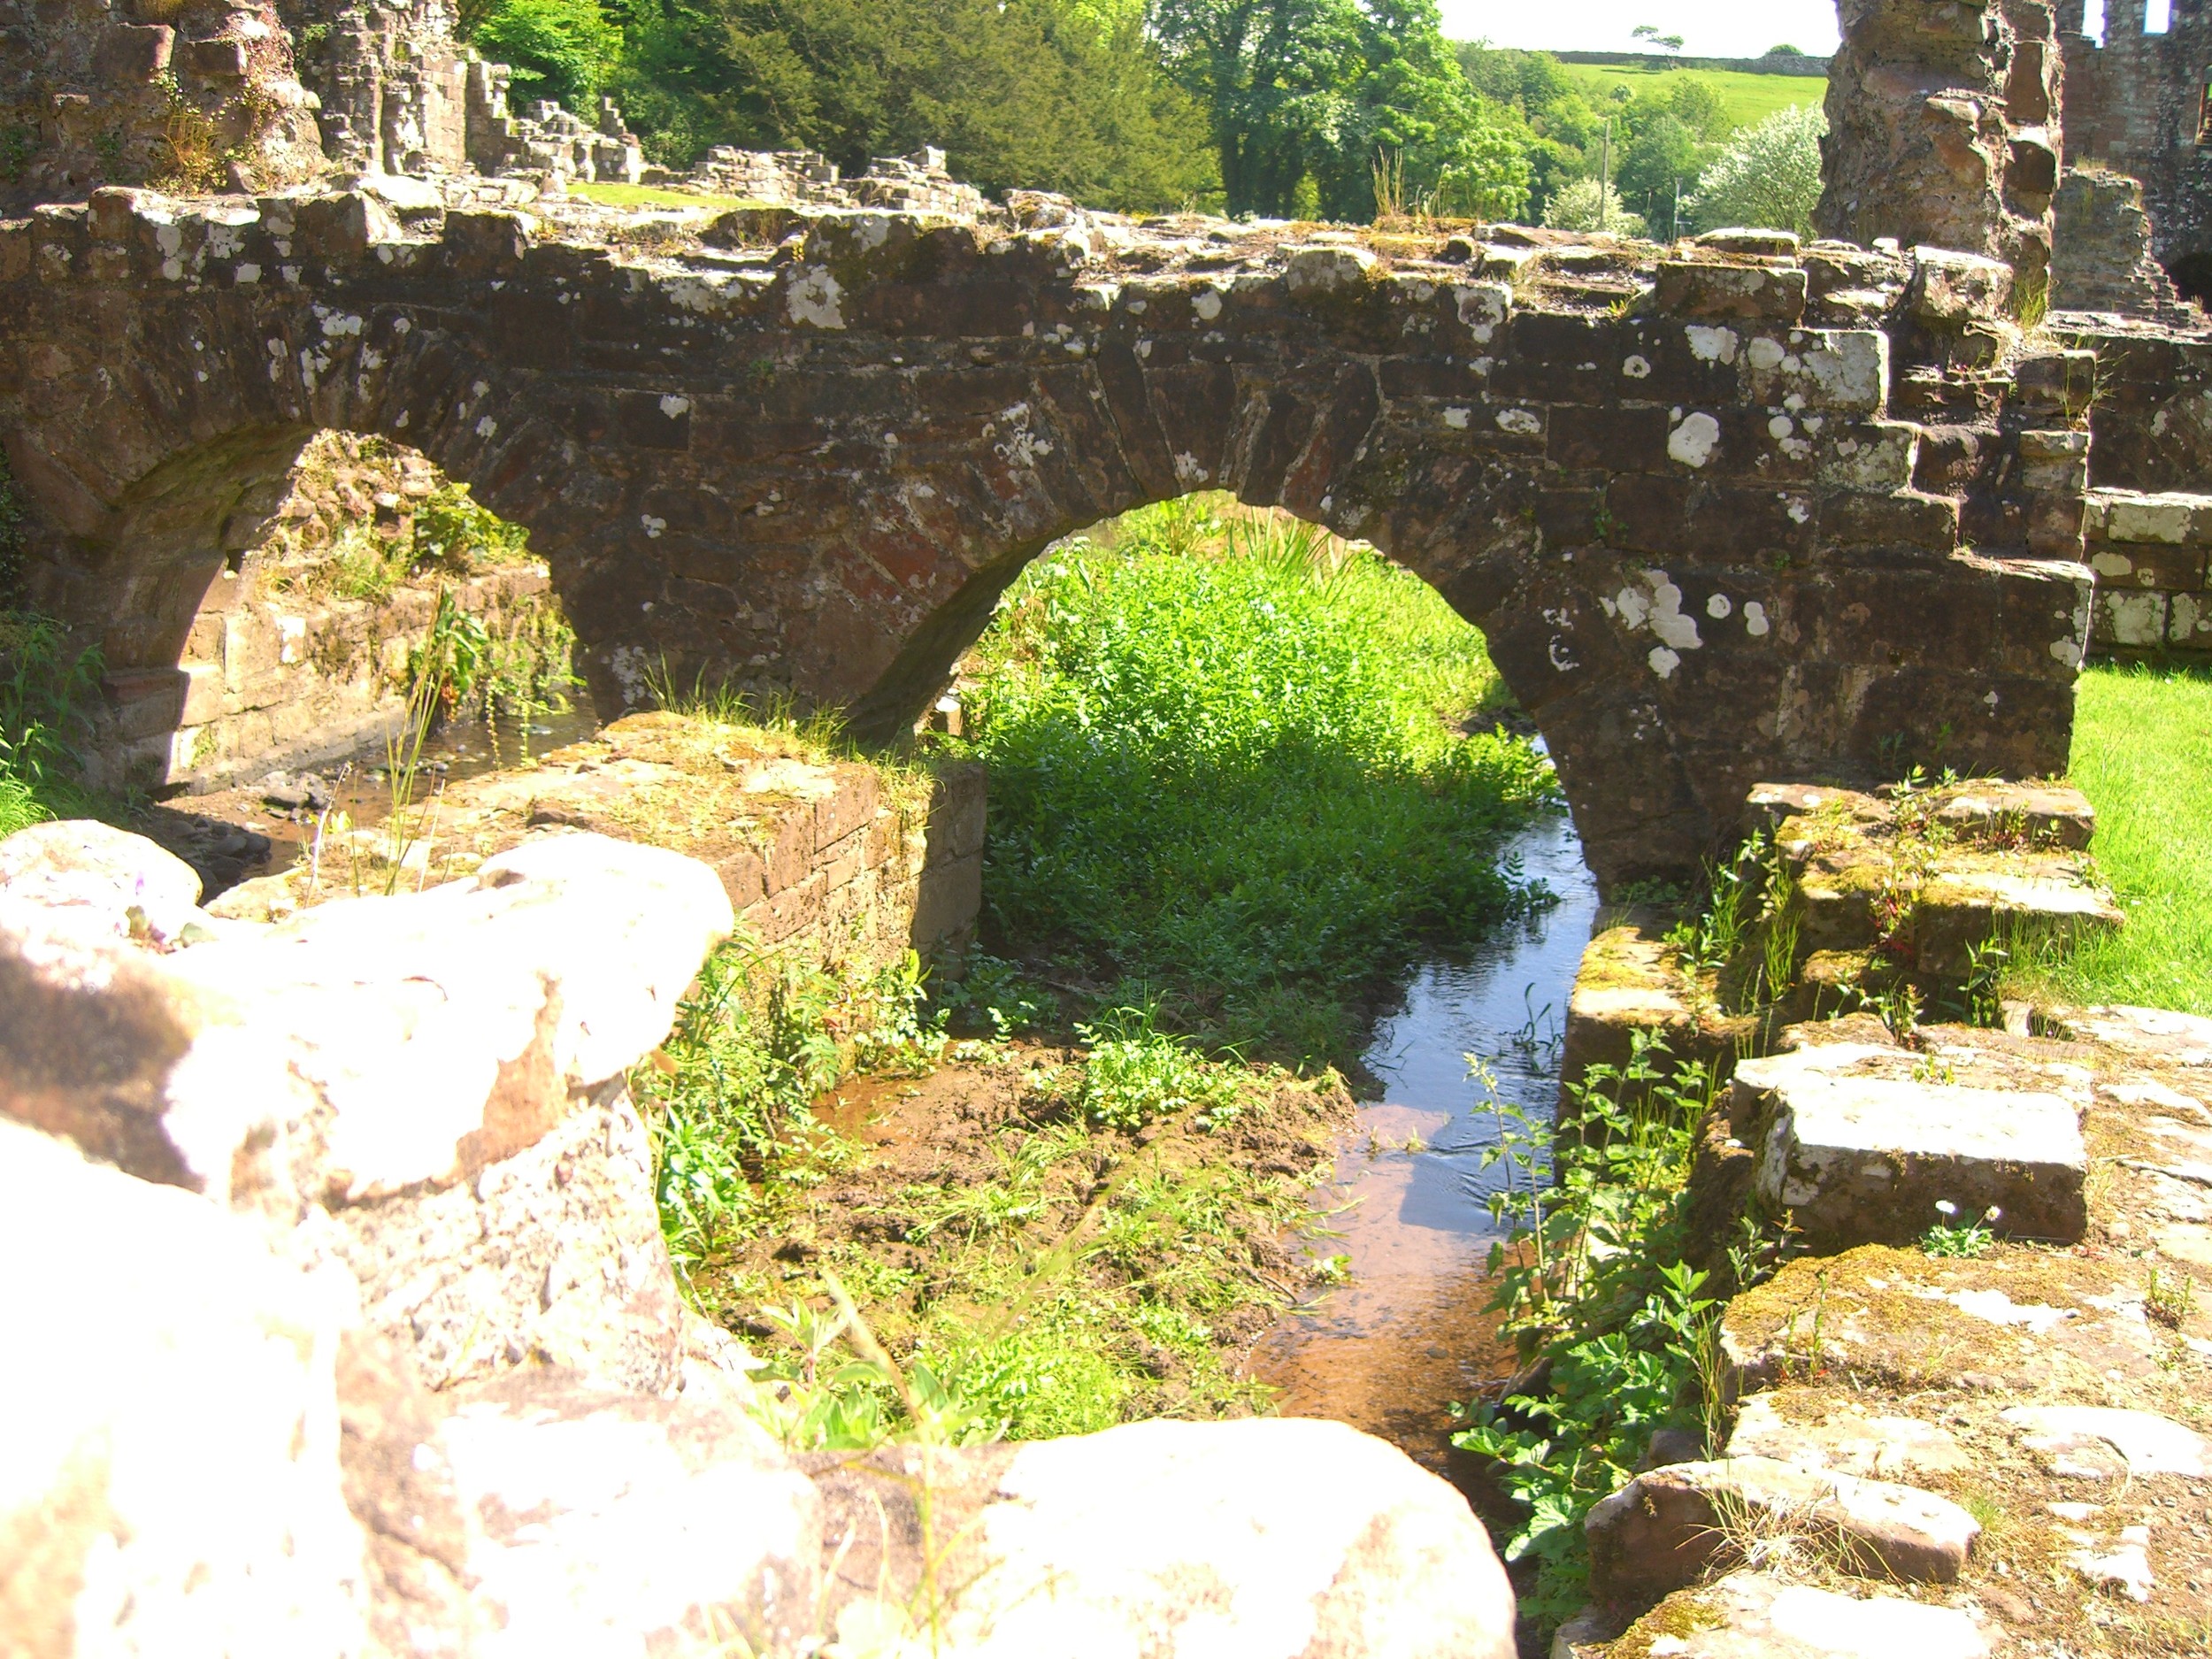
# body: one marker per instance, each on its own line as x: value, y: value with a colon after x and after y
x: 2136, y: 104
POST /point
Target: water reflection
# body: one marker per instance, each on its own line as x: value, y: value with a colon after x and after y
x: 1390, y: 1351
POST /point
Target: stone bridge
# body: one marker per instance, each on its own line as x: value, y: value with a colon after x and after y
x: 810, y: 449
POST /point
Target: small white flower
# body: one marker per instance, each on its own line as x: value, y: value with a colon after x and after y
x: 1945, y: 1207
x: 1992, y: 1213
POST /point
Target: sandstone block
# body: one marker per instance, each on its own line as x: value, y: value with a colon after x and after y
x: 1860, y: 1150
x: 370, y: 1046
x: 1309, y: 272
x: 604, y: 1523
x: 1845, y: 1439
x: 1131, y: 1541
x: 131, y: 54
x: 1762, y: 1615
x: 92, y: 879
x: 1753, y: 293
x: 1950, y: 289
x: 2102, y: 1443
x: 1658, y: 1533
x: 172, y: 1480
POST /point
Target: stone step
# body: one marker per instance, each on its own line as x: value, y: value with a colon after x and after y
x: 1665, y: 1528
x: 1628, y: 982
x: 1928, y: 877
x: 1766, y: 1615
x: 1860, y: 1143
x: 1804, y: 1427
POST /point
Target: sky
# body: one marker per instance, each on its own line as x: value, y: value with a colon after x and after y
x: 1709, y: 28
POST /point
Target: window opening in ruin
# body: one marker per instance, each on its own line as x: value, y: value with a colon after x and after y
x: 2092, y: 21
x: 2158, y: 17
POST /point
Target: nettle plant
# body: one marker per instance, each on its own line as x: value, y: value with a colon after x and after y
x: 1591, y: 1278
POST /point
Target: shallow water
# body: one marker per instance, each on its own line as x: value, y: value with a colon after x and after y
x: 1390, y: 1351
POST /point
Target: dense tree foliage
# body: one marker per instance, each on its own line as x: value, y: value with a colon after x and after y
x: 1769, y: 176
x: 1336, y: 109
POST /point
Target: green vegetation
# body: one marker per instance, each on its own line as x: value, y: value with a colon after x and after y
x: 1054, y: 1273
x: 1226, y: 778
x: 45, y: 682
x: 1768, y: 176
x: 452, y: 536
x: 1592, y: 1276
x: 2143, y: 756
x: 651, y: 196
x: 1745, y: 99
x: 1349, y: 110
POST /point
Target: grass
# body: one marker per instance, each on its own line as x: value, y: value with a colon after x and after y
x: 1095, y: 1239
x: 452, y: 536
x: 651, y: 196
x: 1748, y: 98
x: 1228, y: 777
x: 2143, y: 755
x: 44, y: 684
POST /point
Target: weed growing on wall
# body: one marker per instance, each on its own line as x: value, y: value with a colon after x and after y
x: 1228, y: 774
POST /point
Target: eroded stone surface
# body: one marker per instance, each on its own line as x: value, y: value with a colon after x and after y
x: 1760, y: 1616
x: 103, y: 880
x: 2098, y: 1442
x: 1852, y: 1441
x: 172, y: 1480
x: 1660, y: 1530
x: 1861, y: 1144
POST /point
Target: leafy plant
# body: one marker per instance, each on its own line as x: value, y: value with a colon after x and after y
x: 1948, y: 1237
x: 1589, y: 1271
x: 1136, y: 1072
x: 46, y: 683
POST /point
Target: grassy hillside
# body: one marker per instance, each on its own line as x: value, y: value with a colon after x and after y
x: 1750, y: 98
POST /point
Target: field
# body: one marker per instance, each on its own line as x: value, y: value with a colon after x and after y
x: 1750, y: 98
x: 2143, y: 755
x: 650, y: 196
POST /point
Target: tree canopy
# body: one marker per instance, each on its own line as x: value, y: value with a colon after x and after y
x: 1336, y: 109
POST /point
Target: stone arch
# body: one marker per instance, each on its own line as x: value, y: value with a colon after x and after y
x: 1672, y: 497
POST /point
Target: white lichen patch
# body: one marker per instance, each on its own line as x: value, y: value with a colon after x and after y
x: 815, y: 298
x: 1709, y: 342
x: 1693, y: 441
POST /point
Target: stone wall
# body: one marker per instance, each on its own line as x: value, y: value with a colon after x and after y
x: 2136, y: 104
x: 1943, y: 127
x: 2154, y: 600
x: 202, y: 95
x: 808, y: 452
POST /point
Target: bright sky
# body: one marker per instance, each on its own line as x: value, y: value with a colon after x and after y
x: 1709, y: 29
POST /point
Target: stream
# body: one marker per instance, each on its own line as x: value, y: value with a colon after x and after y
x: 1408, y: 1334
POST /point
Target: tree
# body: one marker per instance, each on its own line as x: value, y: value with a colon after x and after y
x: 1322, y: 91
x: 560, y: 50
x: 1581, y: 206
x: 1784, y: 50
x: 1671, y: 44
x: 1052, y: 94
x: 1491, y: 179
x: 1768, y: 177
x: 1664, y: 156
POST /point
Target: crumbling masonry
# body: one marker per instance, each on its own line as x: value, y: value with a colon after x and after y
x: 1735, y: 510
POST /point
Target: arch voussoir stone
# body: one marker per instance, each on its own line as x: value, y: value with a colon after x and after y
x: 1683, y: 510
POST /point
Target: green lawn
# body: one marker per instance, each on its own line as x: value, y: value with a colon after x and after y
x: 1750, y: 98
x: 651, y: 196
x: 2143, y: 755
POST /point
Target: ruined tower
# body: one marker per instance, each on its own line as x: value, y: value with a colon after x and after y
x: 1943, y: 127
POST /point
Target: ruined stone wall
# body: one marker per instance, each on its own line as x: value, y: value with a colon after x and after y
x: 201, y: 95
x: 1943, y: 127
x: 2137, y: 104
x: 1671, y: 491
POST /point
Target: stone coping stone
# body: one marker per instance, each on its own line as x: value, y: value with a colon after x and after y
x: 1663, y: 1530
x: 2104, y: 1442
x: 1859, y: 1146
